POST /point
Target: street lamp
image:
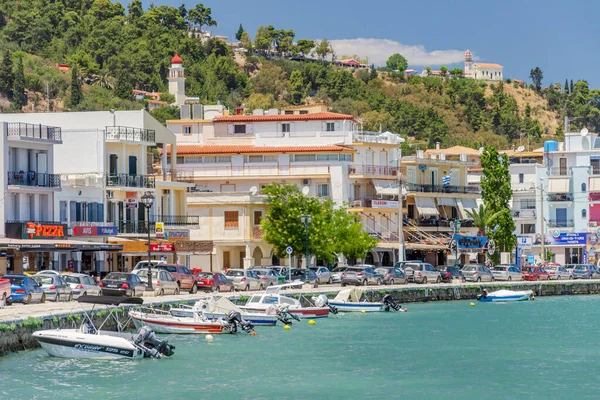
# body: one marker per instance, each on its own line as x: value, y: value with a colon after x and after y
x: 148, y: 200
x: 306, y: 220
x: 455, y: 225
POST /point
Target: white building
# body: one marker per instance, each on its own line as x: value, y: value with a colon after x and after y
x: 176, y: 78
x: 482, y: 71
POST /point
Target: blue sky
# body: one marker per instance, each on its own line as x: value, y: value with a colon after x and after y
x: 518, y: 34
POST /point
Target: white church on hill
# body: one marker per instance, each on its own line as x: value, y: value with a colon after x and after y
x: 482, y: 71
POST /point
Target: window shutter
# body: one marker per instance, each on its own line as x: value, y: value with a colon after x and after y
x: 337, y: 126
x: 249, y: 129
x: 292, y: 127
x: 230, y: 128
x: 100, y: 215
x: 73, y: 211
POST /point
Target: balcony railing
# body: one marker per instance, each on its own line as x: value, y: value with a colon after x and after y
x: 526, y: 214
x: 560, y: 223
x: 199, y: 171
x: 138, y: 227
x: 412, y: 187
x: 558, y: 172
x: 373, y: 170
x: 383, y: 236
x: 34, y: 131
x: 176, y: 220
x: 367, y: 202
x: 34, y: 179
x: 560, y: 197
x: 375, y: 137
x: 127, y: 134
x: 125, y: 180
x: 82, y: 180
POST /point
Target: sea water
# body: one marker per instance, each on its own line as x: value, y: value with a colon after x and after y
x: 542, y: 349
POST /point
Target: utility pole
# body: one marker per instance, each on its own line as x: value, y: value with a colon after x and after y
x: 401, y: 249
x: 542, y: 225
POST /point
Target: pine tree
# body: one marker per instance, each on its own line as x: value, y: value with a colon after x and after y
x: 19, y: 96
x: 373, y: 72
x: 76, y: 92
x: 6, y: 75
x: 566, y: 88
x: 571, y: 87
x: 239, y: 33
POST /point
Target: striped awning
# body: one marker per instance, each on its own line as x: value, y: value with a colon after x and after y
x: 465, y: 205
x: 426, y: 206
x: 386, y: 187
x: 446, y: 201
x: 559, y: 185
x: 594, y: 184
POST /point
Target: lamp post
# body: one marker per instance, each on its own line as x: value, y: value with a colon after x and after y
x: 455, y: 225
x: 148, y: 200
x: 306, y: 220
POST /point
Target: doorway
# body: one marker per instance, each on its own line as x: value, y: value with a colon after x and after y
x: 226, y: 260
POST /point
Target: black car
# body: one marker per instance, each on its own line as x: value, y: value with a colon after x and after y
x: 122, y: 284
x: 391, y: 275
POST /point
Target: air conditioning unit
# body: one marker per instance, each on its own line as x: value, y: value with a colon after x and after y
x: 110, y: 194
x: 357, y: 203
x: 306, y: 181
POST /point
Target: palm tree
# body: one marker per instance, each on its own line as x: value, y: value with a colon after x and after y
x: 482, y: 218
x: 104, y: 79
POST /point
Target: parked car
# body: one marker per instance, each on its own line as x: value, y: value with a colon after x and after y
x: 162, y: 281
x: 185, y: 279
x: 48, y: 272
x: 280, y: 271
x: 122, y: 284
x: 391, y: 275
x: 361, y: 275
x: 144, y: 264
x: 82, y: 285
x: 454, y: 270
x: 507, y: 272
x: 534, y: 273
x: 477, y: 273
x: 586, y: 271
x: 323, y: 274
x: 300, y: 275
x: 267, y: 276
x: 244, y: 279
x: 421, y: 272
x: 337, y: 274
x: 24, y: 289
x: 54, y: 286
x: 213, y: 282
x: 570, y: 267
x: 557, y: 271
x: 445, y: 274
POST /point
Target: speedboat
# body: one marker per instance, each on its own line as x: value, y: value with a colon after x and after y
x: 218, y: 307
x: 270, y: 298
x: 90, y: 342
x: 349, y: 300
x: 164, y: 322
x: 505, y: 295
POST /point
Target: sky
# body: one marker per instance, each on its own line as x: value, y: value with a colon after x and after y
x: 562, y: 38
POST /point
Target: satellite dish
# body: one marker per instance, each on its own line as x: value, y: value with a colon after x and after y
x: 584, y: 132
x: 253, y: 190
x: 305, y: 190
x: 520, y: 149
x: 481, y: 150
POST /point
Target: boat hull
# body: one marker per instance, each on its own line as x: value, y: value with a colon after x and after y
x: 506, y: 296
x: 74, y: 344
x: 256, y: 319
x: 356, y: 307
x: 302, y: 313
x: 175, y: 325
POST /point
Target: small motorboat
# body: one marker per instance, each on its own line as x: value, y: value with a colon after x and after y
x: 505, y: 295
x: 349, y: 300
x: 90, y: 342
x: 271, y: 300
x: 218, y: 307
x: 164, y: 322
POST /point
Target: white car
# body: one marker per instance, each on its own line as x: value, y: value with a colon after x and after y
x: 337, y: 274
x: 82, y: 285
x: 162, y: 281
x: 48, y: 272
x: 245, y: 279
x: 507, y: 272
x: 323, y: 274
x: 267, y: 276
x: 558, y: 272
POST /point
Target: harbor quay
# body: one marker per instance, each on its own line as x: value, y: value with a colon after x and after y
x: 18, y: 322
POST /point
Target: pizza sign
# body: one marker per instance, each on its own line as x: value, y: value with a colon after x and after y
x: 44, y: 231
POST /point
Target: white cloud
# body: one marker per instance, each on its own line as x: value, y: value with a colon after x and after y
x: 378, y: 51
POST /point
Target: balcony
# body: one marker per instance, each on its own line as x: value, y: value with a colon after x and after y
x: 126, y: 134
x: 413, y: 187
x: 19, y: 131
x: 134, y: 181
x: 560, y: 197
x: 559, y: 172
x: 176, y: 220
x: 82, y: 180
x: 135, y: 227
x: 200, y: 172
x: 33, y: 179
x: 378, y: 170
x: 560, y: 223
x: 524, y: 214
x: 367, y: 202
x: 375, y: 137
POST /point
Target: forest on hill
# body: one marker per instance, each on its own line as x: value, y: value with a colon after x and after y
x: 111, y: 49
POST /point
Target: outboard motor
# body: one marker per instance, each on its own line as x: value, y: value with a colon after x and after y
x: 285, y: 316
x: 151, y: 345
x: 234, y: 319
x: 483, y: 295
x: 322, y: 301
x: 389, y: 303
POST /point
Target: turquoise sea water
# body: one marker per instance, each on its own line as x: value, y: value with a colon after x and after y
x: 546, y: 349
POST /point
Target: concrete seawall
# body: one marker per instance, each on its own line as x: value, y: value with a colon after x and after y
x: 15, y: 333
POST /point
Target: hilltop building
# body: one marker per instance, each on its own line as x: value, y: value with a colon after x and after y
x: 482, y: 71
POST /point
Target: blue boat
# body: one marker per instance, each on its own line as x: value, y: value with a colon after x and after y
x: 505, y: 295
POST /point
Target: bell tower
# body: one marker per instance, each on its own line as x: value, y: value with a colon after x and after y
x: 177, y: 80
x: 468, y: 61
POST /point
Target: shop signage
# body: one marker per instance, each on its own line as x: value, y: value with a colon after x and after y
x: 384, y: 203
x: 199, y: 246
x: 160, y: 230
x: 131, y: 200
x: 470, y: 243
x: 95, y: 231
x: 177, y: 234
x: 162, y: 248
x: 44, y: 231
x: 564, y: 239
x: 524, y: 242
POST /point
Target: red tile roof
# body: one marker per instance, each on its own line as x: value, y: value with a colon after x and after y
x: 198, y: 149
x: 320, y: 116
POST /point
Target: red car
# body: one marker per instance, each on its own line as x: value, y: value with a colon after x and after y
x: 532, y: 273
x: 213, y: 282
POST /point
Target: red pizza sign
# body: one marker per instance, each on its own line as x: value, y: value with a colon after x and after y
x: 162, y: 248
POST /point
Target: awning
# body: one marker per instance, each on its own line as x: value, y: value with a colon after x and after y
x: 446, y: 201
x: 465, y: 205
x: 560, y: 185
x: 594, y: 184
x: 386, y: 187
x: 473, y: 179
x: 426, y: 206
x: 43, y: 245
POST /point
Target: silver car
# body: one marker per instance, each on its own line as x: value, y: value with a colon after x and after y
x: 557, y: 272
x: 323, y: 274
x: 82, y: 285
x: 477, y: 273
x: 337, y: 274
x: 162, y: 281
x: 244, y: 279
x: 54, y: 286
x: 267, y: 276
x: 507, y: 272
x: 421, y: 272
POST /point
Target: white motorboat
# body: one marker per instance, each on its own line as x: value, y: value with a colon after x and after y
x: 218, y: 307
x: 349, y: 300
x: 505, y: 295
x: 90, y: 342
x: 270, y: 298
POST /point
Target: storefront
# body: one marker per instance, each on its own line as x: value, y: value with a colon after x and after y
x: 565, y: 247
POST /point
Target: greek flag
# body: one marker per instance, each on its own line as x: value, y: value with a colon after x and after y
x: 446, y: 179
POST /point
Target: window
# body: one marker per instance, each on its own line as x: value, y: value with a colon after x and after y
x: 224, y: 159
x: 289, y: 112
x: 583, y: 187
x: 527, y: 228
x: 345, y: 157
x: 257, y: 217
x: 303, y: 112
x: 210, y: 159
x: 259, y: 159
x: 323, y: 190
x: 527, y: 204
x: 328, y: 157
x: 252, y: 159
x: 521, y: 178
x: 231, y: 220
x: 187, y: 130
x: 239, y: 129
x: 330, y: 127
x: 180, y: 160
x: 304, y: 157
x: 285, y: 128
x: 193, y: 159
x: 584, y: 213
x: 63, y: 211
